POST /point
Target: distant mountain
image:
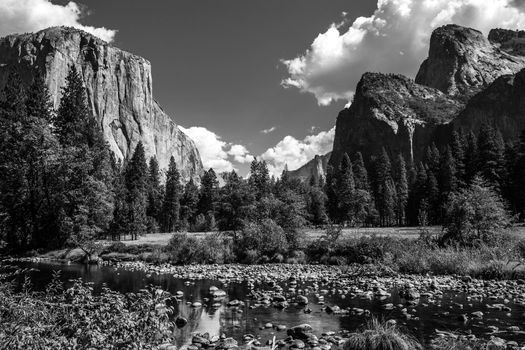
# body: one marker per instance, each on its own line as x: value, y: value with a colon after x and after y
x: 119, y: 91
x: 316, y: 168
x: 466, y: 80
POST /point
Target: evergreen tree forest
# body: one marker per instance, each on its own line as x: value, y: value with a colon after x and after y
x: 61, y: 185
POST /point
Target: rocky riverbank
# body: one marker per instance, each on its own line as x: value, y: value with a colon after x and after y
x: 481, y: 310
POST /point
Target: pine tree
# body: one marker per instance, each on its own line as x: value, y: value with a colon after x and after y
x: 491, y: 155
x: 401, y: 182
x: 155, y: 195
x: 418, y: 197
x: 236, y: 203
x: 383, y: 187
x: 457, y: 147
x: 316, y: 204
x: 87, y: 196
x: 360, y: 173
x: 73, y: 115
x: 432, y: 158
x: 120, y: 224
x: 345, y: 189
x: 188, y: 204
x: 171, y: 203
x: 448, y: 175
x: 331, y: 194
x: 518, y: 177
x: 208, y: 195
x: 389, y: 202
x: 13, y: 187
x: 432, y: 198
x: 136, y: 180
x: 471, y: 157
x: 260, y: 179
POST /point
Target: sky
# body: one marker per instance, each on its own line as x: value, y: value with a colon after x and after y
x: 263, y: 78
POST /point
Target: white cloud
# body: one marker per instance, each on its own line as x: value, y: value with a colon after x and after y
x: 240, y: 154
x: 332, y: 66
x: 269, y: 130
x: 216, y: 153
x: 295, y: 153
x: 21, y: 16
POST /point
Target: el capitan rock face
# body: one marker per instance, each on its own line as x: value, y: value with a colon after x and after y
x: 394, y: 112
x: 461, y: 61
x: 118, y: 88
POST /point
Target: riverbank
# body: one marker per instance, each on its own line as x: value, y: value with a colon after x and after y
x: 254, y: 303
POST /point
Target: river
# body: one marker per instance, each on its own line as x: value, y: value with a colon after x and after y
x: 425, y: 318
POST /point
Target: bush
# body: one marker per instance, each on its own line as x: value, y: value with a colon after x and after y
x: 212, y: 249
x: 475, y: 215
x: 216, y: 249
x: 380, y: 336
x: 109, y: 320
x: 266, y: 238
x: 183, y: 249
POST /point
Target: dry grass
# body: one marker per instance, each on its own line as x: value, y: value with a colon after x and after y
x: 162, y: 239
x: 381, y: 336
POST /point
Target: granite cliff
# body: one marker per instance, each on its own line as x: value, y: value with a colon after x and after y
x: 461, y: 61
x: 119, y: 91
x: 394, y: 112
x: 316, y: 168
x: 466, y: 80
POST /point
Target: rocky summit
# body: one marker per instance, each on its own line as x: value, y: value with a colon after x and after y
x: 461, y: 61
x: 467, y: 80
x: 315, y: 168
x: 119, y: 91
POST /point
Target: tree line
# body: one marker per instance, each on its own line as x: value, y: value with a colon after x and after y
x: 61, y: 185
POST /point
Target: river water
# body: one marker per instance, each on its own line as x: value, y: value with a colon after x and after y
x: 427, y: 318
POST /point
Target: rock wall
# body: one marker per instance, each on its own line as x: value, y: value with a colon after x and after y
x: 391, y: 111
x: 316, y: 168
x: 461, y: 61
x: 119, y: 91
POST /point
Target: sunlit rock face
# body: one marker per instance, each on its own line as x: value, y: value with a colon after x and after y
x: 118, y: 88
x: 394, y: 112
x: 462, y: 61
x: 315, y: 168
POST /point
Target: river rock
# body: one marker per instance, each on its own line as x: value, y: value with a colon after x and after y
x: 180, y: 322
x: 301, y: 300
x: 300, y: 332
x: 496, y: 343
x: 228, y: 343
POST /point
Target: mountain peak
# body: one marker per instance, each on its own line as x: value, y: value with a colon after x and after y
x: 462, y: 61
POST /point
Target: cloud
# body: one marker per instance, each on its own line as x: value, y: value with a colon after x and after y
x: 240, y: 154
x: 22, y: 16
x: 216, y: 153
x: 392, y: 40
x: 269, y: 130
x: 295, y: 153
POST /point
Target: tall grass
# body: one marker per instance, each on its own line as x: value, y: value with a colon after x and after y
x: 381, y: 336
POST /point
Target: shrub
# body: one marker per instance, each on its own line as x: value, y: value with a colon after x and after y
x: 76, y: 318
x: 379, y: 336
x: 216, y: 248
x: 296, y: 257
x: 266, y: 238
x: 183, y: 249
x: 475, y: 215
